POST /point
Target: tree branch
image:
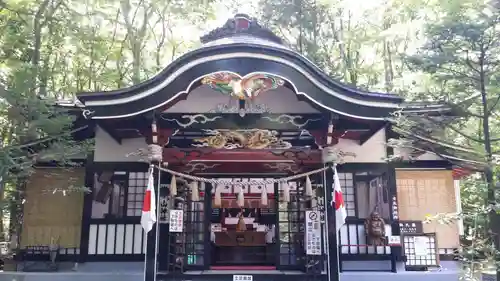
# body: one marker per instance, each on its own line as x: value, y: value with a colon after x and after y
x: 469, y: 63
x: 437, y: 142
x: 113, y: 41
x: 493, y: 107
x: 44, y: 140
x: 478, y: 140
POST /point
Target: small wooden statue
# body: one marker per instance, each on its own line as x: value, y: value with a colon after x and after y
x: 375, y: 230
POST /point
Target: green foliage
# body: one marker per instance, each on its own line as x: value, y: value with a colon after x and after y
x: 461, y: 58
x: 51, y: 49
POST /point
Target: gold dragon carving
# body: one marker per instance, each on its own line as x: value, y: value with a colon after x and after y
x: 249, y: 139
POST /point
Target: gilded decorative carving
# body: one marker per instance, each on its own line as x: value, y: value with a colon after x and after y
x: 192, y: 119
x: 198, y: 167
x: 284, y: 167
x: 290, y: 119
x: 295, y: 155
x: 251, y: 108
x: 243, y: 88
x: 250, y: 139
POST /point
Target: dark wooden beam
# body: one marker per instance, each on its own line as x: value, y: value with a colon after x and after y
x: 423, y: 164
x: 241, y: 156
x: 235, y: 121
x: 84, y: 134
x: 320, y: 137
x: 254, y: 169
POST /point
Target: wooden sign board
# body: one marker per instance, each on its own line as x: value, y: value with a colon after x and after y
x: 163, y: 211
x: 313, y: 233
x: 242, y: 278
x: 176, y: 222
x: 394, y: 240
x: 410, y: 227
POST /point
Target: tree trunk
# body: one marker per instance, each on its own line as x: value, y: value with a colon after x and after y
x: 136, y: 35
x: 37, y: 44
x: 388, y: 73
x: 2, y: 196
x: 16, y: 211
x: 387, y: 54
x: 136, y: 61
x: 493, y: 221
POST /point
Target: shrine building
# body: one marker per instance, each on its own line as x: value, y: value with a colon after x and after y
x: 247, y: 136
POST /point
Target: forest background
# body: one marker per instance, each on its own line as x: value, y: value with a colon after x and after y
x: 437, y: 50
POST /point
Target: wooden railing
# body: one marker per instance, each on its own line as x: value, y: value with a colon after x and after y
x: 353, y: 240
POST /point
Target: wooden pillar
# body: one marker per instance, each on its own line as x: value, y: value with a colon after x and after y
x: 164, y: 235
x: 396, y: 251
x: 151, y: 255
x: 87, y: 209
x: 277, y: 247
x: 333, y: 264
x: 207, y: 247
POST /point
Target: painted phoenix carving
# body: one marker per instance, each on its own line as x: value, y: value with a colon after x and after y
x: 246, y: 88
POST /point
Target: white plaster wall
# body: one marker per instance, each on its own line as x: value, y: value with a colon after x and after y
x: 108, y: 150
x: 372, y: 151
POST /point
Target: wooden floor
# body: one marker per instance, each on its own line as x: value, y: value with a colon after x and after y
x: 243, y: 256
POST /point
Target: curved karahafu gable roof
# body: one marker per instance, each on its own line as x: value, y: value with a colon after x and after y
x: 243, y: 47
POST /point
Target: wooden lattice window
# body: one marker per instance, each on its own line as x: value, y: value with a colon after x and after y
x: 420, y: 251
x: 137, y: 182
x: 347, y: 185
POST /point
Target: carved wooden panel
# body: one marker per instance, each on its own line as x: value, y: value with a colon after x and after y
x: 53, y: 208
x: 423, y: 193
